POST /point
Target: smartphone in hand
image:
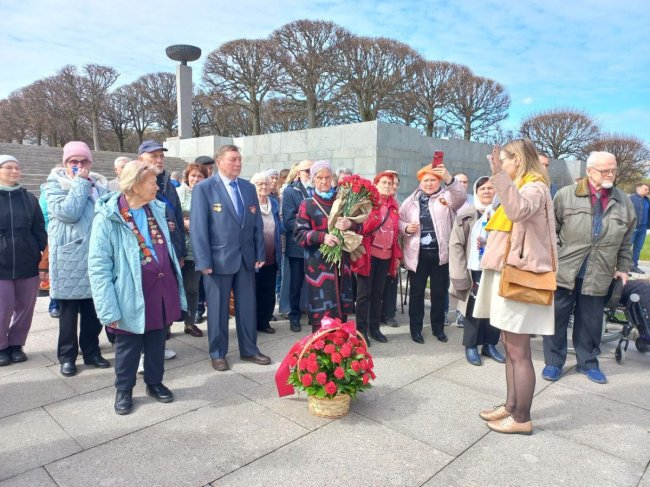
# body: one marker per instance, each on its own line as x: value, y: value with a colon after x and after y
x: 438, y: 156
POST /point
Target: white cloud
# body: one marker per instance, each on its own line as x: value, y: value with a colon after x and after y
x: 528, y: 100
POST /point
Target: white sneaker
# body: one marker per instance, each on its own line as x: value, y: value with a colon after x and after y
x: 141, y: 365
x: 169, y: 354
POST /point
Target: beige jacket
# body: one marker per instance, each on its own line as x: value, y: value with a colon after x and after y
x: 460, y: 277
x: 533, y: 246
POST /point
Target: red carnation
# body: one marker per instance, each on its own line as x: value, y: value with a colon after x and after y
x: 346, y: 350
x: 329, y: 348
x: 372, y: 374
x: 293, y: 360
x: 319, y: 344
x: 364, y: 364
x: 312, y: 357
x: 321, y: 378
x: 339, y: 373
x: 302, y: 365
x: 306, y: 380
x: 366, y: 378
x: 337, y: 341
x: 336, y: 358
x: 355, y: 365
x: 312, y: 367
x: 330, y: 388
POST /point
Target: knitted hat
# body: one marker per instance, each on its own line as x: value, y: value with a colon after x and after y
x: 427, y: 170
x: 318, y: 166
x: 7, y: 158
x: 76, y: 148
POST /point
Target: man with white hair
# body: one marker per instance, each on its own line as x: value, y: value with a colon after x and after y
x: 119, y: 163
x: 594, y: 223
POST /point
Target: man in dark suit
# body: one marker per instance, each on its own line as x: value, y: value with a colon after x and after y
x: 291, y: 199
x: 227, y: 237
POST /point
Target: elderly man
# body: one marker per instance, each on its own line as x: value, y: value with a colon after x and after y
x: 227, y: 235
x: 207, y: 161
x: 641, y: 204
x: 594, y: 224
x: 119, y: 163
x: 291, y: 199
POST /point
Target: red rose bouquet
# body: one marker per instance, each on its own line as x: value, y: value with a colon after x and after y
x: 331, y: 362
x: 355, y: 199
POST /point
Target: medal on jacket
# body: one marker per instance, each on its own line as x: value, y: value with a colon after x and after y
x: 216, y: 207
x: 253, y: 209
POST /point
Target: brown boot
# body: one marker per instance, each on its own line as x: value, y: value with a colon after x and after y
x: 494, y: 414
x: 510, y: 426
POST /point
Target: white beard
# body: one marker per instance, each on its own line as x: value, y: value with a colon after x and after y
x: 607, y: 184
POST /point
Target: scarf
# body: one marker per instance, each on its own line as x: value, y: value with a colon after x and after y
x: 10, y: 188
x: 499, y: 220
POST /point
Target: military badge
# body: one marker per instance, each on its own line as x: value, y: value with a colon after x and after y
x: 216, y: 207
x: 253, y: 209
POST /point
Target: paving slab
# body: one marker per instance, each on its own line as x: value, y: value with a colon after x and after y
x: 193, y: 387
x: 349, y: 451
x: 542, y: 459
x: 30, y: 440
x: 37, y: 477
x: 434, y: 411
x: 645, y: 481
x: 604, y: 424
x: 25, y: 389
x: 189, y: 450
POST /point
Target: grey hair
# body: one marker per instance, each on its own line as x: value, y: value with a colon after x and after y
x: 259, y: 176
x: 132, y: 175
x: 343, y: 170
x: 594, y: 156
x: 117, y: 161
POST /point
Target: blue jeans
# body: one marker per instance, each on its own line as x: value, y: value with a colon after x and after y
x: 54, y: 304
x: 637, y: 241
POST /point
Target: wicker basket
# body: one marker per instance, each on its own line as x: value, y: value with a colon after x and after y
x: 333, y: 408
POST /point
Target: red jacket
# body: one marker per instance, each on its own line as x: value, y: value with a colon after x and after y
x: 362, y: 265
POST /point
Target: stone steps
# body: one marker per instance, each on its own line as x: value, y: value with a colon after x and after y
x: 38, y: 161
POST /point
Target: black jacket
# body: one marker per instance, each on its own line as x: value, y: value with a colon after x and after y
x: 168, y: 195
x: 22, y: 234
x: 291, y: 199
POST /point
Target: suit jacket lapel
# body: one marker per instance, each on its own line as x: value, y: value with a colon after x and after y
x: 224, y: 195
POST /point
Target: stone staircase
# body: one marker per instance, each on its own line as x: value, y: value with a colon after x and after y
x: 38, y: 161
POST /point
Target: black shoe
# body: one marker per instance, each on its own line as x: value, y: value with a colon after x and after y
x: 268, y: 330
x: 492, y: 352
x: 98, y: 361
x: 472, y: 356
x: 637, y: 270
x: 55, y: 313
x: 17, y: 354
x: 160, y: 392
x: 379, y: 336
x: 199, y: 318
x: 366, y: 338
x: 392, y: 322
x: 68, y: 369
x: 417, y: 337
x: 5, y: 357
x: 295, y: 326
x: 123, y: 402
x: 441, y: 337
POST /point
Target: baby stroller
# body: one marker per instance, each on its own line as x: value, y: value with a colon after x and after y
x: 627, y: 307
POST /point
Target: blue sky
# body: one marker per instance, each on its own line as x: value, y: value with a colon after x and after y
x: 591, y: 55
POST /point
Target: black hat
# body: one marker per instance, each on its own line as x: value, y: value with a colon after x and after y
x: 205, y: 160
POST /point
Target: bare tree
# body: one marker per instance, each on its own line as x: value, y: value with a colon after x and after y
x: 562, y: 132
x: 14, y: 126
x: 117, y: 115
x: 244, y: 71
x: 141, y: 116
x: 307, y: 59
x: 159, y: 89
x: 373, y: 71
x: 476, y: 104
x: 96, y: 81
x: 632, y: 156
x: 65, y: 102
x: 283, y: 115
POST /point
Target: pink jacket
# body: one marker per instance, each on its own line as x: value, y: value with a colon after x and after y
x: 533, y: 244
x: 443, y: 207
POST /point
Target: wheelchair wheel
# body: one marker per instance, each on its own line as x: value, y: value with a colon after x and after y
x: 621, y: 350
x: 642, y: 345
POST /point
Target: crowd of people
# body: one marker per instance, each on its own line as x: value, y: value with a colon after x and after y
x: 135, y: 254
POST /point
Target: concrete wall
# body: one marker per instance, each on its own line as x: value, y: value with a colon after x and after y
x: 366, y: 148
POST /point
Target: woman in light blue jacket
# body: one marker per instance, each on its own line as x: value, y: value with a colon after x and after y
x: 136, y: 280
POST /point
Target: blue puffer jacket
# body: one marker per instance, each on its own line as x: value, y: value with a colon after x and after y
x: 114, y: 266
x: 71, y: 209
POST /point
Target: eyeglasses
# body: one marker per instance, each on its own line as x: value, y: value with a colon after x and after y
x: 82, y: 162
x: 506, y: 158
x: 606, y: 172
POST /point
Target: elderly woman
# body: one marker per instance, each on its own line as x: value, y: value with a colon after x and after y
x: 136, y: 280
x: 426, y: 218
x: 381, y: 258
x: 524, y: 227
x: 71, y: 192
x: 266, y: 275
x: 194, y: 173
x: 329, y: 287
x: 466, y: 247
x: 22, y: 238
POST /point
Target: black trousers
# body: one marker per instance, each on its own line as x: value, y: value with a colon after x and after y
x: 265, y: 279
x: 587, y: 328
x: 200, y: 305
x: 370, y: 291
x: 296, y: 278
x: 389, y: 300
x: 129, y: 347
x: 89, y: 330
x: 191, y: 283
x: 478, y: 331
x: 429, y: 268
